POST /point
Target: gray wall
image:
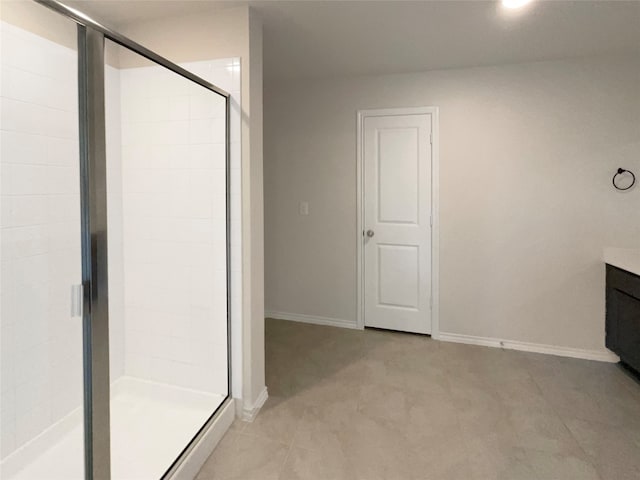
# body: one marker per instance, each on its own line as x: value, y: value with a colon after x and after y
x: 527, y: 153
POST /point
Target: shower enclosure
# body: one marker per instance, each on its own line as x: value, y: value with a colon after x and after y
x: 114, y: 251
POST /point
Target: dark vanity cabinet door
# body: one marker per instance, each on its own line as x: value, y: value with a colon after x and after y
x: 623, y: 315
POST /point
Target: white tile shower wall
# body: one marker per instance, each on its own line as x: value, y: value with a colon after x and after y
x: 41, y: 351
x: 40, y: 238
x: 173, y: 161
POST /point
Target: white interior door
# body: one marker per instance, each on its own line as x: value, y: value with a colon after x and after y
x: 397, y: 222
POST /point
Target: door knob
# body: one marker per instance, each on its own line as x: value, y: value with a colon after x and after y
x: 370, y: 233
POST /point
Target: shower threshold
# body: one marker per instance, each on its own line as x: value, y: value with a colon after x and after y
x: 151, y: 423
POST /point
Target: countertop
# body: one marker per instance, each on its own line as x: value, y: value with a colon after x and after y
x: 625, y: 258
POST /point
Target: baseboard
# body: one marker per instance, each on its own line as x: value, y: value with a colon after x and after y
x: 598, y: 355
x: 300, y: 317
x: 249, y: 412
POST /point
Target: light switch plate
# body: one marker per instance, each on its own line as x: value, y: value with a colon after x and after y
x: 304, y: 208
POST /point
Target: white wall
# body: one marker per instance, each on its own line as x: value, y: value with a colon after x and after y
x: 253, y: 226
x: 526, y: 157
x: 41, y: 351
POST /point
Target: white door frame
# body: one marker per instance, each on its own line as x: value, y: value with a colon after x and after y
x: 435, y: 209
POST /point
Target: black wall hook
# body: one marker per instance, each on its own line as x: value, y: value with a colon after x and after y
x: 622, y: 171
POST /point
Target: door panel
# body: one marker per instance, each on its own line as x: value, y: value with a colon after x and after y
x: 398, y: 281
x: 397, y: 200
x: 398, y: 179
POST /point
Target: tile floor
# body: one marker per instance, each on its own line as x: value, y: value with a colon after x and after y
x: 371, y: 405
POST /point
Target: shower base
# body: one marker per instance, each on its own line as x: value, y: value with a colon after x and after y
x: 151, y: 424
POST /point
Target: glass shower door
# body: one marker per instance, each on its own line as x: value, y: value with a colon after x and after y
x: 41, y: 352
x: 115, y: 381
x: 167, y: 223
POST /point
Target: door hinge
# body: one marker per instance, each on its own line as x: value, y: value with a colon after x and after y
x: 77, y: 299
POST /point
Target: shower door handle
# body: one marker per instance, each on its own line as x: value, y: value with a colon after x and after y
x: 77, y: 297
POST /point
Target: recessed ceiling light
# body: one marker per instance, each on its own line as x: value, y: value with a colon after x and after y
x: 512, y: 4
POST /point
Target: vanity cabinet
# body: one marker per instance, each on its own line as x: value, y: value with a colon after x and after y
x: 623, y: 315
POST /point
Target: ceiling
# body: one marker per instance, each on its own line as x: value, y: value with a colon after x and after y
x: 317, y: 39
